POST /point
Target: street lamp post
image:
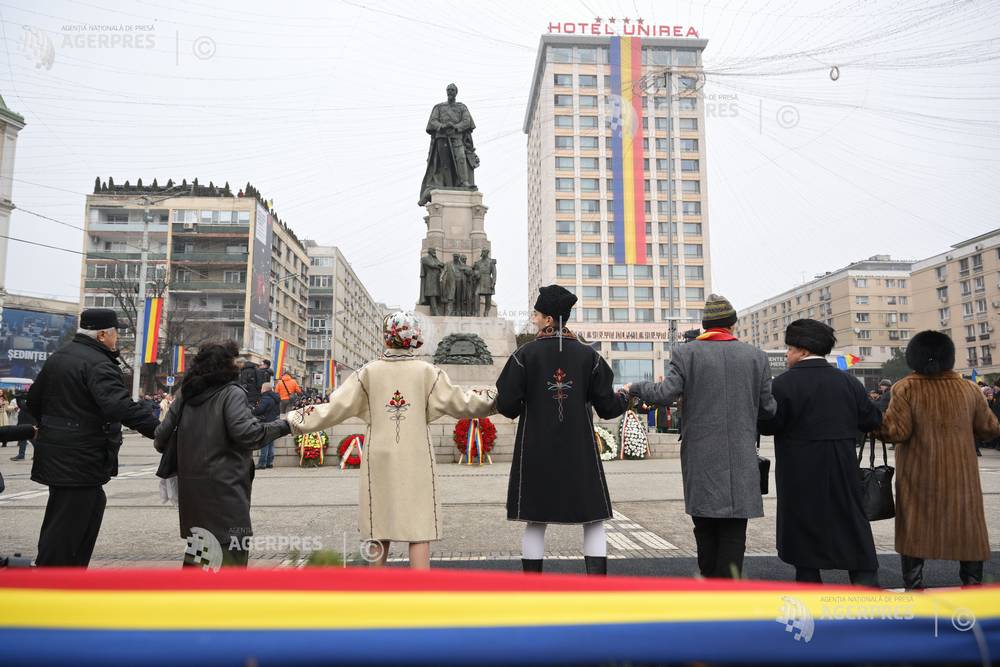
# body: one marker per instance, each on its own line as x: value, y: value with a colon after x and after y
x: 140, y: 324
x: 274, y: 310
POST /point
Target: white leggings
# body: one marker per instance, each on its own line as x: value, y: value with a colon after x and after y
x: 533, y: 543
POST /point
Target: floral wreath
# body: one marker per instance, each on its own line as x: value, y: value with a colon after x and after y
x: 354, y: 460
x: 607, y: 447
x: 487, y: 434
x: 632, y: 433
x: 312, y: 447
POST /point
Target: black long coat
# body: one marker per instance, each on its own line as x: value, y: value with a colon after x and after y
x: 216, y: 433
x: 81, y: 401
x: 821, y: 523
x: 556, y: 475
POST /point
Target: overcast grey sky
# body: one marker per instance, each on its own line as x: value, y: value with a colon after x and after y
x: 322, y: 106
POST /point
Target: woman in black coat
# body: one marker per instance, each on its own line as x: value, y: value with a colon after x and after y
x: 216, y: 435
x: 821, y: 521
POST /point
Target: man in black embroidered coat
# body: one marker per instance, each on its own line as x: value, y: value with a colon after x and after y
x: 550, y: 384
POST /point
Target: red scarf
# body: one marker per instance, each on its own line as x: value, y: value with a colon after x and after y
x: 716, y: 334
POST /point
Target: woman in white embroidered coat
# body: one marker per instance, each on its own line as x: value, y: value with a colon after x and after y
x: 398, y: 396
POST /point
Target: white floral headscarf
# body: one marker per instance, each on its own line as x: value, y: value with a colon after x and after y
x: 402, y: 331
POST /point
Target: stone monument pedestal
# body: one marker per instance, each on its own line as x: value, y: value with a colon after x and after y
x: 497, y: 333
x: 455, y: 224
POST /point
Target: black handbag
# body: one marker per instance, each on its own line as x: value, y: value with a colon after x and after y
x: 168, y: 460
x: 764, y: 466
x: 876, y: 485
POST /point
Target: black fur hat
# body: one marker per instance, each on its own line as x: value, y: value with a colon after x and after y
x: 555, y: 300
x: 930, y: 353
x: 811, y: 335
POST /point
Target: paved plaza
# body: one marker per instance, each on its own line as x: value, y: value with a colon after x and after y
x: 649, y: 535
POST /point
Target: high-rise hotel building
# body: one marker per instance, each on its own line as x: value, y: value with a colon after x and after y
x: 616, y: 160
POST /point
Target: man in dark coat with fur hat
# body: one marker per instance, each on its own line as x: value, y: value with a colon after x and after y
x: 80, y: 402
x: 549, y: 384
x: 821, y: 521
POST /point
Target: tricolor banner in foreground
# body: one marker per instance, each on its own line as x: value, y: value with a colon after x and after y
x: 337, y: 616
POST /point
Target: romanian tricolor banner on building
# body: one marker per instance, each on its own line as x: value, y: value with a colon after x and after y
x: 278, y: 360
x: 327, y: 616
x: 151, y: 329
x: 627, y: 155
x: 178, y: 366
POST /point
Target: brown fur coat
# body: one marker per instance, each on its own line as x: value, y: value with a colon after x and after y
x: 935, y: 421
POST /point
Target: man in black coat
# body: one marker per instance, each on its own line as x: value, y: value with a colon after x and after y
x: 268, y: 409
x: 264, y: 373
x: 250, y: 381
x: 80, y: 401
x: 884, y: 395
x: 820, y: 519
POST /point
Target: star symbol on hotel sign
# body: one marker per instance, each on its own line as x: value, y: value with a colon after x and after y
x: 626, y: 20
x: 611, y: 20
x: 597, y: 20
x: 639, y: 21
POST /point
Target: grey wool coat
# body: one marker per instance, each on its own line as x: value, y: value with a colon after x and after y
x: 726, y: 388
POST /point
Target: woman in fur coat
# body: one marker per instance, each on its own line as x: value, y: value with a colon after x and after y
x: 934, y: 418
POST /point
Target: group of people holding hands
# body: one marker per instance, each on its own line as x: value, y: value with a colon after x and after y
x: 553, y: 385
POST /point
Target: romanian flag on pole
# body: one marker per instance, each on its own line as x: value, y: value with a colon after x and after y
x: 627, y: 157
x: 331, y: 375
x: 329, y: 616
x: 178, y: 360
x: 845, y: 361
x: 151, y: 329
x: 278, y: 360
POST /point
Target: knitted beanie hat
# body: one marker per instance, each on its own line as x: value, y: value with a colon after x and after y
x: 718, y: 312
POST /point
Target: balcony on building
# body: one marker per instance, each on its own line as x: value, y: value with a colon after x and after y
x: 185, y: 280
x: 115, y: 221
x: 217, y: 253
x: 213, y: 223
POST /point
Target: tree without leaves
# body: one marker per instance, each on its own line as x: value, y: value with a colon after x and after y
x: 125, y: 291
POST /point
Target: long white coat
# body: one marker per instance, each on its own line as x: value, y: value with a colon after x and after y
x: 398, y: 396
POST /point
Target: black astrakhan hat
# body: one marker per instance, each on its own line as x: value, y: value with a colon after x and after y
x: 96, y: 319
x: 811, y: 335
x: 556, y: 301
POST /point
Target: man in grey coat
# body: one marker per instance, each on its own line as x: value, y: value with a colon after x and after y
x: 726, y: 387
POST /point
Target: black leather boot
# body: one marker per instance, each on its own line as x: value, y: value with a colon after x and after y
x: 971, y: 572
x: 532, y: 564
x: 913, y: 572
x: 597, y: 565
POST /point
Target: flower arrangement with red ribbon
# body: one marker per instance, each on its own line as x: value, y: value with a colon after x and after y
x: 355, y: 442
x: 465, y: 435
x: 312, y: 447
